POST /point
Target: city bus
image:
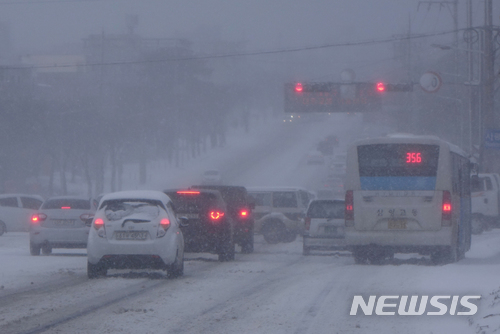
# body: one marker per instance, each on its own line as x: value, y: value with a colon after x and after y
x: 407, y: 194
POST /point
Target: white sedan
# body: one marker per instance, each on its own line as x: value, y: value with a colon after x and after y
x: 324, y: 226
x: 135, y: 230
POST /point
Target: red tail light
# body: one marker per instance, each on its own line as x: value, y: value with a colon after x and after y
x: 188, y: 192
x: 165, y: 222
x: 65, y: 207
x: 244, y: 214
x: 349, y: 208
x: 447, y: 209
x: 307, y: 222
x: 216, y: 215
x: 98, y: 223
x: 38, y: 217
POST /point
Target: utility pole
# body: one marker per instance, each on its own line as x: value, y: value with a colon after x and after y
x: 490, y: 157
x: 452, y: 6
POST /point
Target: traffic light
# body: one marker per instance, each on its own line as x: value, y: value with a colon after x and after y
x: 383, y: 87
x: 380, y: 87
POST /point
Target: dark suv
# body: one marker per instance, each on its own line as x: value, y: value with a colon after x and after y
x: 209, y: 227
x: 240, y: 206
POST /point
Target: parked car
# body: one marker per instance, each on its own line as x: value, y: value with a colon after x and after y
x: 135, y: 230
x: 209, y: 228
x: 485, y: 201
x: 211, y: 177
x: 324, y: 226
x: 239, y: 206
x: 16, y: 211
x: 61, y: 222
x: 279, y: 212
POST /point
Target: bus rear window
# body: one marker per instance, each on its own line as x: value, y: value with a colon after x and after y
x: 398, y: 160
x: 398, y: 166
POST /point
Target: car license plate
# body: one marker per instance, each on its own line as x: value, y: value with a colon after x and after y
x: 131, y: 235
x: 330, y: 229
x: 397, y: 224
x: 64, y: 222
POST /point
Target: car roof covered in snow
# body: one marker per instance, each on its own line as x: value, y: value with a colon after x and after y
x: 262, y: 189
x: 137, y: 194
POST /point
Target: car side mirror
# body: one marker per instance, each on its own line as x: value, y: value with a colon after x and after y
x: 183, y: 221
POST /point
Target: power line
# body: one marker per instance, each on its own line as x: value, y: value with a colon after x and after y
x: 248, y: 54
x: 31, y: 2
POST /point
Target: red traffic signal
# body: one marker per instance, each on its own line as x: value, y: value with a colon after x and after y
x: 380, y: 87
x: 298, y: 87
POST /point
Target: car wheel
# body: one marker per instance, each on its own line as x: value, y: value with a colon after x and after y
x: 226, y: 251
x: 35, y: 249
x: 274, y: 232
x: 445, y: 255
x: 247, y: 243
x: 306, y: 250
x: 3, y: 228
x: 476, y: 225
x: 96, y: 270
x: 176, y: 269
x: 290, y: 236
x: 46, y: 249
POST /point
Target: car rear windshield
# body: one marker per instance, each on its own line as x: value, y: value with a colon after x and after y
x: 66, y: 203
x: 139, y: 208
x: 326, y: 209
x: 388, y: 160
x: 234, y: 197
x: 193, y: 203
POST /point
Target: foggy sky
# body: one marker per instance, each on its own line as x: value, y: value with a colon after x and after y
x: 263, y: 24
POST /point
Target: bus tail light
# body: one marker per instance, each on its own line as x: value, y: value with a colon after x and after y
x: 244, y: 213
x: 446, y: 209
x: 349, y: 208
x: 307, y: 222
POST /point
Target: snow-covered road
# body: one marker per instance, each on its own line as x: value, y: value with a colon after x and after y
x: 274, y: 290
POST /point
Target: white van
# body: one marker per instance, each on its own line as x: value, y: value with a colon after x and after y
x: 485, y: 201
x: 279, y: 212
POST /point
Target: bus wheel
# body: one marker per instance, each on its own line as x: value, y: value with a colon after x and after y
x: 360, y: 255
x: 448, y: 254
x: 379, y: 256
x: 477, y: 225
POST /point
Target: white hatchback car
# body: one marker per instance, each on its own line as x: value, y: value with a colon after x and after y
x: 61, y: 222
x: 324, y: 226
x: 135, y: 230
x: 16, y: 211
